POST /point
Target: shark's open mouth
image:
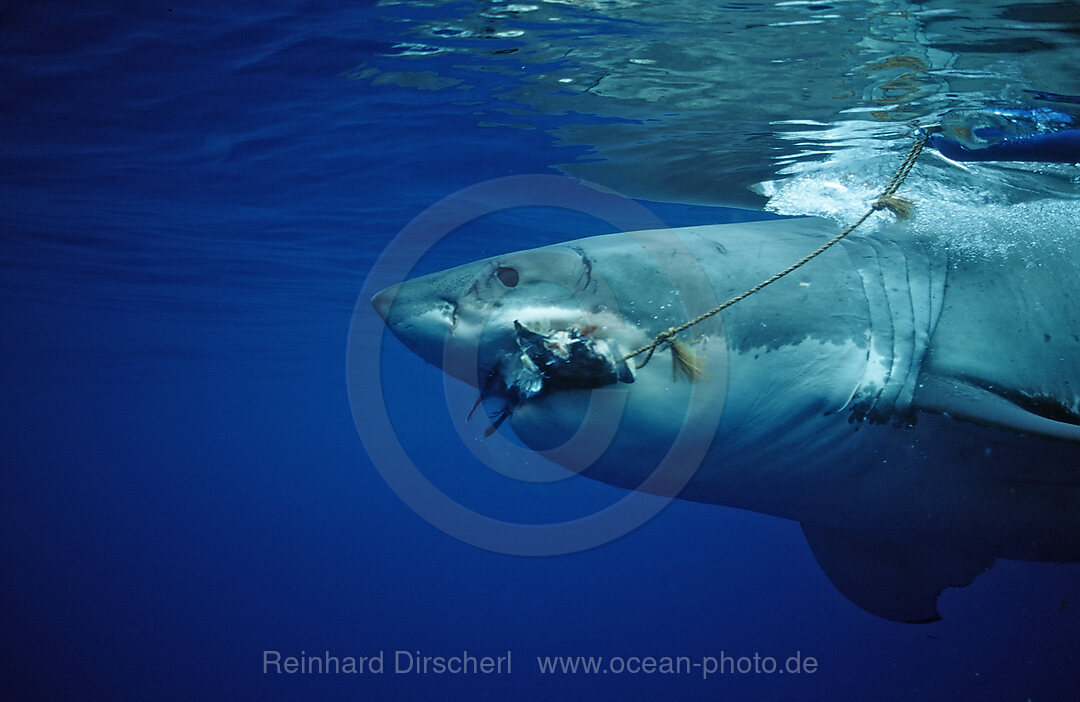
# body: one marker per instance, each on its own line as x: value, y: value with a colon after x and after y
x: 546, y: 361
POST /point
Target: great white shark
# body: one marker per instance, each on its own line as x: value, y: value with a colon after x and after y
x: 916, y: 412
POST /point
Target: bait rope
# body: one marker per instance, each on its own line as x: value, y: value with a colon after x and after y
x: 886, y: 201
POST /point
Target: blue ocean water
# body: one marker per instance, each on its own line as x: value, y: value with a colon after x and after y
x: 191, y: 199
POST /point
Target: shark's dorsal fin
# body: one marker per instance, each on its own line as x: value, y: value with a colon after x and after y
x: 970, y: 401
x: 893, y: 581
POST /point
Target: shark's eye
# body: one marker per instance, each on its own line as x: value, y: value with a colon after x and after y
x: 507, y: 276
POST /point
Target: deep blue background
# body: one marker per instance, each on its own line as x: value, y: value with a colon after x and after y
x: 190, y: 199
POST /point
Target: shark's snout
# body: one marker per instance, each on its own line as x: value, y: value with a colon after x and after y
x: 421, y: 315
x: 383, y: 300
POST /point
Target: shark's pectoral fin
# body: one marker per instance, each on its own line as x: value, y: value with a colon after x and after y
x: 1000, y: 408
x: 893, y: 581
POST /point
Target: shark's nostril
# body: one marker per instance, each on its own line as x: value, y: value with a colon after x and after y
x: 450, y: 309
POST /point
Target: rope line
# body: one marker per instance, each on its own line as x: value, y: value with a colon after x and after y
x: 883, y: 201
